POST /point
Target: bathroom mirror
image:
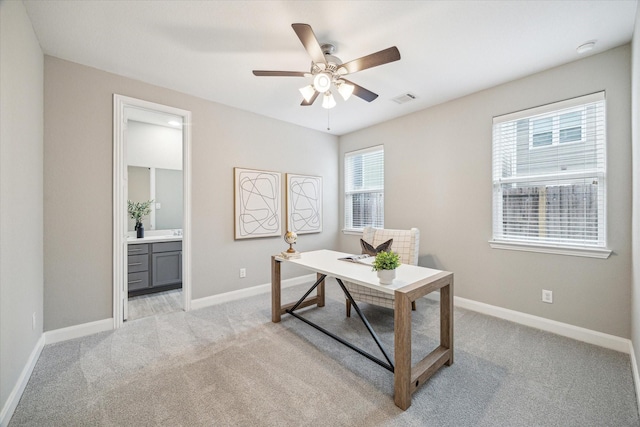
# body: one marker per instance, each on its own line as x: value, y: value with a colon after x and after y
x: 154, y: 165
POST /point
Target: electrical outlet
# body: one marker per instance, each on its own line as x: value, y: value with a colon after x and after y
x: 547, y: 296
x: 243, y: 273
x: 33, y: 321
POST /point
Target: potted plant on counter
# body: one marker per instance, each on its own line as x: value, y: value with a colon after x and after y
x: 385, y: 264
x: 137, y: 211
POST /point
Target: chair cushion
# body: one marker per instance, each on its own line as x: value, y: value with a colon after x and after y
x: 405, y: 242
x: 368, y: 249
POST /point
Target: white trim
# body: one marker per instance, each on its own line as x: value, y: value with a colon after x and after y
x: 119, y: 200
x: 562, y: 176
x: 371, y: 149
x: 16, y: 393
x: 564, y: 329
x: 592, y: 337
x: 565, y: 250
x: 248, y: 292
x: 349, y: 190
x: 78, y: 331
x: 152, y: 196
x: 354, y: 231
x: 634, y: 370
x: 186, y: 211
x: 119, y: 216
x: 507, y: 144
x: 589, y: 336
x: 544, y: 109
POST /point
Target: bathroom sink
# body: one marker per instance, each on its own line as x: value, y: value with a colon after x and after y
x: 153, y: 238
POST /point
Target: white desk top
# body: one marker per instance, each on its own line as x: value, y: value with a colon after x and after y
x: 327, y: 262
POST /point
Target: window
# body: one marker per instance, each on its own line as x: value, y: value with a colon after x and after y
x: 557, y: 129
x: 364, y: 189
x: 549, y: 172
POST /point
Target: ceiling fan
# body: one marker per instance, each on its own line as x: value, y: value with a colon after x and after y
x: 328, y: 71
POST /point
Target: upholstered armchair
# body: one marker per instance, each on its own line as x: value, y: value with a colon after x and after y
x: 406, y: 243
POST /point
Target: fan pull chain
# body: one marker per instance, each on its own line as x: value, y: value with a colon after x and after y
x: 328, y: 116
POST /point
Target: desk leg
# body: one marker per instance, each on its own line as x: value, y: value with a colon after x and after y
x: 402, y: 372
x: 408, y: 378
x: 276, y: 290
x: 446, y: 319
x: 320, y: 291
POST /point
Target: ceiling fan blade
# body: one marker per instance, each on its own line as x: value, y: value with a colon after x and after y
x: 379, y: 58
x: 280, y: 73
x: 361, y: 92
x: 310, y: 42
x: 311, y: 101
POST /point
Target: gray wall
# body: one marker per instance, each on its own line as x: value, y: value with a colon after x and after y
x: 78, y: 189
x: 21, y: 107
x: 447, y: 150
x: 438, y: 178
x: 635, y: 114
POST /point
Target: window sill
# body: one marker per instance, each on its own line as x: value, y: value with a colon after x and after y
x: 352, y: 231
x: 559, y: 250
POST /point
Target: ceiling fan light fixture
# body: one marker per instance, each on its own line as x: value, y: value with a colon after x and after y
x: 327, y: 70
x: 345, y: 89
x: 322, y: 82
x: 307, y: 92
x: 328, y: 101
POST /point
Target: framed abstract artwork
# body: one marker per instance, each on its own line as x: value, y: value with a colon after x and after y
x: 304, y: 203
x: 257, y: 203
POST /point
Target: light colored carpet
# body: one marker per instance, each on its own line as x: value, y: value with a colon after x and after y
x: 228, y: 365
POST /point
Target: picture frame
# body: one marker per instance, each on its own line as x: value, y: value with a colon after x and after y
x: 257, y: 203
x: 304, y: 203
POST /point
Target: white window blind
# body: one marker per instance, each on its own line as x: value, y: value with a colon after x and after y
x: 549, y: 172
x: 364, y: 188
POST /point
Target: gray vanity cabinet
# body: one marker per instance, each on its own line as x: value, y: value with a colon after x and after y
x: 166, y: 261
x: 154, y: 267
x: 138, y: 267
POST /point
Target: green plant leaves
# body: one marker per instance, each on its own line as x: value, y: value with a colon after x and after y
x: 138, y: 210
x: 386, y: 261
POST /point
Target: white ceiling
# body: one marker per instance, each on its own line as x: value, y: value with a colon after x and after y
x: 209, y: 48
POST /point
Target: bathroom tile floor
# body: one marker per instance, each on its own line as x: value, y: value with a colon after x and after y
x: 153, y: 304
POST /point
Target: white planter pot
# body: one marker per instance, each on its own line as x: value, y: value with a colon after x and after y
x: 386, y: 276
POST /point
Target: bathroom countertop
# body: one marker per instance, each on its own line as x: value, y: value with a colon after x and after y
x: 153, y: 239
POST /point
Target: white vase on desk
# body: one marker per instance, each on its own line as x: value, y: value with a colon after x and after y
x: 386, y: 276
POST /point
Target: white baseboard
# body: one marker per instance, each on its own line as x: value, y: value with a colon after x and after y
x: 564, y: 329
x: 248, y: 292
x: 77, y: 331
x: 14, y: 397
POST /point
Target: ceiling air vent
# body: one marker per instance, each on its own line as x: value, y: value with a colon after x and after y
x: 406, y: 97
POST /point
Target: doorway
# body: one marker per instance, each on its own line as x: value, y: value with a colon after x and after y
x: 163, y: 179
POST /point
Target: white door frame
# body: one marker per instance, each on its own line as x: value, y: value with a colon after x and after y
x: 120, y: 202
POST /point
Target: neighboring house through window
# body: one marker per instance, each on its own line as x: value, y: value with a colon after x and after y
x: 549, y: 178
x: 364, y: 189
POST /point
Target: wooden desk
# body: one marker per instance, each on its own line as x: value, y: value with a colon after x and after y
x: 411, y: 283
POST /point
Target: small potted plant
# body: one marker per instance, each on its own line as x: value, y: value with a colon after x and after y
x: 137, y: 211
x: 385, y: 264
